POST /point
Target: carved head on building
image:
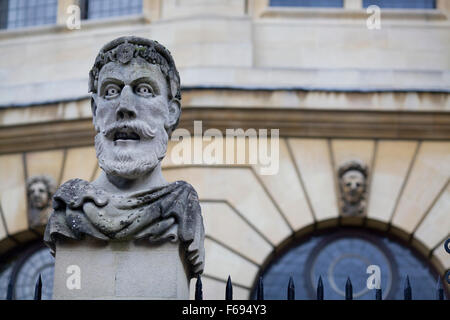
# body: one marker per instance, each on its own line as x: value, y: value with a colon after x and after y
x: 136, y: 97
x: 40, y: 190
x: 352, y: 184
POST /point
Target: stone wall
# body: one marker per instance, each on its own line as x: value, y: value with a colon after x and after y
x: 408, y: 191
x: 240, y: 47
x: 336, y: 90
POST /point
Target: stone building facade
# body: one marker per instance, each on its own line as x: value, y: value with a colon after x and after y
x: 338, y: 91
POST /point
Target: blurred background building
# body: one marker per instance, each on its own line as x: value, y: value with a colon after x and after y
x: 347, y: 97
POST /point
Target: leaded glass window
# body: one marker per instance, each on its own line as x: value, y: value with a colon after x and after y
x: 97, y: 9
x: 26, y: 13
x: 307, y: 3
x: 336, y: 255
x: 401, y: 4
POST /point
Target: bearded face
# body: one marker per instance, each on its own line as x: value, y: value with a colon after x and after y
x: 353, y: 186
x: 131, y: 116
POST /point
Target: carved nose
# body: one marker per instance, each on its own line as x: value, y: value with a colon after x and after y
x: 124, y: 113
x: 126, y: 109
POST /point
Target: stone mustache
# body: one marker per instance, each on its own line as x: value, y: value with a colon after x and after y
x: 136, y: 96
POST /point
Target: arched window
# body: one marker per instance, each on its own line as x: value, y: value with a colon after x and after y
x: 336, y: 255
x: 24, y: 270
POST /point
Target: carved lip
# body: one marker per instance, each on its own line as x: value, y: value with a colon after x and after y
x: 124, y: 134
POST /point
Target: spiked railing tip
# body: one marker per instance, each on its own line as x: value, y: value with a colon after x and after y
x: 320, y: 289
x: 199, y: 289
x: 9, y: 292
x: 407, y: 292
x: 378, y: 294
x: 260, y: 290
x: 439, y: 289
x: 38, y: 289
x: 291, y: 289
x: 348, y: 289
x: 229, y: 290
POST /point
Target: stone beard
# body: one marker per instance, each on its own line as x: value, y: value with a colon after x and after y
x: 136, y: 105
x: 120, y: 162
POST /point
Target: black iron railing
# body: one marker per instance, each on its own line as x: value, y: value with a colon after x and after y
x: 407, y: 291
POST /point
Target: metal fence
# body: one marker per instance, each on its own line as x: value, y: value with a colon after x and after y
x: 290, y: 292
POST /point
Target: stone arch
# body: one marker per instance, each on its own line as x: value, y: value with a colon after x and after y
x: 268, y: 211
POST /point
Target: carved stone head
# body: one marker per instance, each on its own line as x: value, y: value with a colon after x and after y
x: 40, y: 190
x: 352, y: 184
x: 135, y: 105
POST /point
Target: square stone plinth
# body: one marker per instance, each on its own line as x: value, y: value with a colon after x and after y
x: 92, y: 269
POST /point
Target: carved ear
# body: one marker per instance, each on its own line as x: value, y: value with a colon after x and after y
x: 94, y: 104
x: 94, y: 109
x: 174, y: 115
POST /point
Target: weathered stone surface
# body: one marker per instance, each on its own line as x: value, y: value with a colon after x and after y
x: 389, y: 174
x: 120, y: 270
x: 313, y: 160
x: 167, y: 213
x: 353, y: 187
x: 13, y: 193
x: 136, y: 105
x: 40, y: 190
x: 231, y: 184
x: 80, y: 163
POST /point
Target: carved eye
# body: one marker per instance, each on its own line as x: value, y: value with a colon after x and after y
x: 112, y: 91
x: 144, y: 90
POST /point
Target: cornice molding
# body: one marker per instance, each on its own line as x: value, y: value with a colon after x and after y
x: 291, y: 123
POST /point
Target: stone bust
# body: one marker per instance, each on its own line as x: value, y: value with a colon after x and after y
x: 40, y: 190
x: 135, y: 90
x: 352, y: 185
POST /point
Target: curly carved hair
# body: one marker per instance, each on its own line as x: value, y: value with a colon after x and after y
x: 353, y: 165
x: 46, y: 180
x: 124, y: 49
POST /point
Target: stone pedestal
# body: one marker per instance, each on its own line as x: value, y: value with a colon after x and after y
x: 119, y: 270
